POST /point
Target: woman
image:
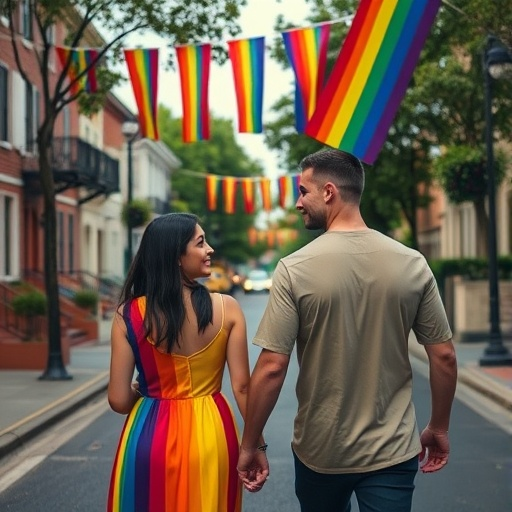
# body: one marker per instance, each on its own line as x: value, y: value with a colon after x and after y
x: 179, y: 445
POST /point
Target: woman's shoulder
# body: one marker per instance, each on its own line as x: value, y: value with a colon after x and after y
x: 231, y: 306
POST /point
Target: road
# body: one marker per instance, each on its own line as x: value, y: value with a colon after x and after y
x: 68, y: 469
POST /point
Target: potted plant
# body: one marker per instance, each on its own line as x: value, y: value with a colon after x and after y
x: 136, y: 213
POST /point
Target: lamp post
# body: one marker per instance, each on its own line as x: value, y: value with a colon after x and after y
x: 130, y: 130
x: 496, y: 61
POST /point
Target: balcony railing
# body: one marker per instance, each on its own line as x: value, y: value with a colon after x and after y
x: 76, y: 163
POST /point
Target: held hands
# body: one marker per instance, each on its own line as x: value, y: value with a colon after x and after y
x: 252, y: 468
x: 435, y: 450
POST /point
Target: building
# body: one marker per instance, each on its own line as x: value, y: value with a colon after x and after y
x: 89, y: 167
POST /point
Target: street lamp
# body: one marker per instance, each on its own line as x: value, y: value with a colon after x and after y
x: 496, y: 62
x: 130, y: 130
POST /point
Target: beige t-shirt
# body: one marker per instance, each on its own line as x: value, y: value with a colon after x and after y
x: 349, y: 300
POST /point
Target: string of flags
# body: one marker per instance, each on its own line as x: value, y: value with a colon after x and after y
x: 352, y: 109
x: 258, y: 191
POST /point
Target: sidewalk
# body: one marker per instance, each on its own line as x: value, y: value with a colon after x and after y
x: 28, y: 406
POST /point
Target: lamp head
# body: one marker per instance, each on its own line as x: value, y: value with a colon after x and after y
x: 498, y: 60
x: 130, y: 129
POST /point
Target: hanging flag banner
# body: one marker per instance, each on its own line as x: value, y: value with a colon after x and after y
x: 229, y: 192
x: 212, y: 191
x: 370, y: 76
x: 194, y: 65
x: 306, y: 49
x: 143, y: 69
x: 248, y: 195
x: 247, y: 59
x: 81, y: 59
x: 265, y: 194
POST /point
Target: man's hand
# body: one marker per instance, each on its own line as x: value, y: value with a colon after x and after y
x: 252, y: 468
x: 435, y: 450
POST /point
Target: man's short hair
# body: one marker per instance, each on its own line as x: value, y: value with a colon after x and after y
x: 343, y: 169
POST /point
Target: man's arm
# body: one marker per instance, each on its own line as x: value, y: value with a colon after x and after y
x: 443, y: 381
x: 266, y: 383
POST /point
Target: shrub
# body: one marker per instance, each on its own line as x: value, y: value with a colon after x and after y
x: 87, y: 299
x: 29, y: 304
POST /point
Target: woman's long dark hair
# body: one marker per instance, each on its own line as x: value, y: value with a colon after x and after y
x: 155, y: 274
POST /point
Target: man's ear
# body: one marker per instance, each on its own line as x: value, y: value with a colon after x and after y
x: 330, y: 191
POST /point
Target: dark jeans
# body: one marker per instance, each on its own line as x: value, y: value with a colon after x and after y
x: 385, y: 490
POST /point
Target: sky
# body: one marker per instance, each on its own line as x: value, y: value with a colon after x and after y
x: 257, y: 19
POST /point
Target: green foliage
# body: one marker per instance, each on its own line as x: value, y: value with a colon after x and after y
x: 86, y: 298
x: 136, y: 213
x: 462, y: 172
x: 30, y: 304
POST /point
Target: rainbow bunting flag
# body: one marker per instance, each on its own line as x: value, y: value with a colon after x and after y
x: 229, y: 192
x: 81, y: 59
x: 212, y: 191
x: 143, y: 69
x: 307, y: 52
x: 247, y: 61
x: 265, y: 194
x: 370, y: 76
x: 248, y: 194
x: 194, y: 64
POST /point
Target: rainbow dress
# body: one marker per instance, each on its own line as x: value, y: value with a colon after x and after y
x: 179, y: 446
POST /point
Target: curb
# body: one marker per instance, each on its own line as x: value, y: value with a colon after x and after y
x: 18, y: 434
x: 475, y: 379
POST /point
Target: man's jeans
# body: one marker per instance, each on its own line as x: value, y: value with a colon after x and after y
x: 385, y: 490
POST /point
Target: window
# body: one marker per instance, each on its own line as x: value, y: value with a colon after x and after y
x: 9, y: 237
x: 31, y: 116
x: 4, y: 102
x: 26, y: 19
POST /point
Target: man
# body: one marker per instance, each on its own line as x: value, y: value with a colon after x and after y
x: 349, y: 299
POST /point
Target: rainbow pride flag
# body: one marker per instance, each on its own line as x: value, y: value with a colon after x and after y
x: 370, y: 77
x: 194, y: 65
x: 212, y: 191
x: 306, y: 49
x: 81, y: 59
x: 143, y: 69
x: 248, y: 195
x: 247, y: 59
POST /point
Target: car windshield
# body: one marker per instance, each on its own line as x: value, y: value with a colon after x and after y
x: 256, y: 275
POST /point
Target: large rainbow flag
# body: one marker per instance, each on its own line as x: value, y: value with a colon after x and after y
x: 143, y: 69
x: 306, y: 49
x: 247, y: 59
x: 194, y: 64
x: 80, y: 60
x: 370, y: 77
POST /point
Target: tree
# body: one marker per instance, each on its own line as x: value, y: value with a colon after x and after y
x: 447, y: 98
x: 220, y: 155
x: 179, y: 22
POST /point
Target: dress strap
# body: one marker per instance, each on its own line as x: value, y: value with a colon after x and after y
x: 222, y: 309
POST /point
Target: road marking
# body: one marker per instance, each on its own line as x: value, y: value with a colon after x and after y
x: 36, y: 451
x: 51, y: 405
x: 19, y: 471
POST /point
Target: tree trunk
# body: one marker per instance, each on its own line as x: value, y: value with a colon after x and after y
x: 55, y: 369
x: 482, y: 229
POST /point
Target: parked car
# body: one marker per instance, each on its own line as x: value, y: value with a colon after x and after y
x: 257, y: 281
x: 219, y: 281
